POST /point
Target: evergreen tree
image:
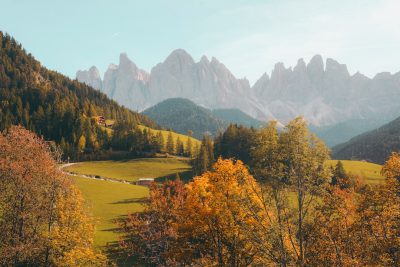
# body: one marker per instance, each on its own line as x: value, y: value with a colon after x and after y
x: 189, y: 149
x: 205, y: 157
x: 180, y: 149
x: 160, y: 141
x: 170, y: 144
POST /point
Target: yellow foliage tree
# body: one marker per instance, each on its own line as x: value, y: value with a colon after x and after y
x: 219, y: 219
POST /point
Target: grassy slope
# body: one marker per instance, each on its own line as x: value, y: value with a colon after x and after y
x: 165, y: 134
x: 109, y: 201
x: 133, y: 169
x: 369, y: 171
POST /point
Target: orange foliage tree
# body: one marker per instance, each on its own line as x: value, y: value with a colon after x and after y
x: 42, y: 218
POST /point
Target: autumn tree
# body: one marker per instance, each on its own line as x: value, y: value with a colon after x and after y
x: 43, y: 221
x: 290, y: 165
x: 217, y: 219
x: 359, y: 226
x: 151, y: 235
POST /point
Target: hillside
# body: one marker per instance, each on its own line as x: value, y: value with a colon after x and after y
x: 236, y: 116
x: 182, y: 115
x: 344, y: 131
x: 374, y: 146
x: 54, y: 106
x: 182, y: 137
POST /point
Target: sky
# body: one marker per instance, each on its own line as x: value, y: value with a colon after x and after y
x: 248, y: 36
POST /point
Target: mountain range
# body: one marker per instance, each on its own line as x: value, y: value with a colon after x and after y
x: 323, y: 92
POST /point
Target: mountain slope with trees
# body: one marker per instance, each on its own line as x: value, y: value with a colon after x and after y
x: 375, y: 146
x: 236, y: 116
x: 54, y: 106
x: 183, y: 116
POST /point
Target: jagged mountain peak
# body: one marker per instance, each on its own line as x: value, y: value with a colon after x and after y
x: 300, y: 66
x: 334, y: 66
x: 204, y: 59
x: 90, y: 77
x: 179, y: 56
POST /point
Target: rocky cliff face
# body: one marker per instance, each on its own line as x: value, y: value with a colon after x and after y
x: 325, y: 94
x: 90, y: 77
x: 126, y: 84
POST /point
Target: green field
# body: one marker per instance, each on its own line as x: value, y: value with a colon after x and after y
x: 132, y: 170
x: 109, y: 201
x: 370, y: 172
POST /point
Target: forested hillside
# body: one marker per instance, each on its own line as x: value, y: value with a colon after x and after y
x: 236, y: 116
x: 182, y: 115
x: 375, y: 146
x: 54, y: 106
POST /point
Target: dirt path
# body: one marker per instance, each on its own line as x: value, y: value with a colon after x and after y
x: 95, y: 177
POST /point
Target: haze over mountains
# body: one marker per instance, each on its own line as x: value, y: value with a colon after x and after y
x: 323, y: 92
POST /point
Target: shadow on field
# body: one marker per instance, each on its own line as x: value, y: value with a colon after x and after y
x: 140, y: 200
x: 116, y: 255
x: 186, y: 176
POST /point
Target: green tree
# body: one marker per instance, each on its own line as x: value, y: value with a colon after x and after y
x: 170, y: 144
x: 205, y: 157
x: 189, y: 149
x: 160, y: 141
x: 290, y: 164
x: 180, y: 149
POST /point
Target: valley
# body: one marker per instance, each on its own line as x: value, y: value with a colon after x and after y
x: 110, y: 200
x: 184, y: 160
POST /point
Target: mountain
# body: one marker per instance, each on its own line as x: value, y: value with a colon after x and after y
x: 182, y: 115
x: 90, y: 77
x: 54, y: 106
x: 374, y: 146
x: 236, y: 116
x: 325, y: 93
x: 344, y: 131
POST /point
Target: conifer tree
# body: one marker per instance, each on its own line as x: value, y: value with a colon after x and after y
x: 180, y: 150
x: 205, y: 157
x: 188, y: 150
x: 170, y: 144
x: 160, y: 141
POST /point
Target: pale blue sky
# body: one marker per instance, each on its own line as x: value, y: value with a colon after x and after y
x: 248, y: 36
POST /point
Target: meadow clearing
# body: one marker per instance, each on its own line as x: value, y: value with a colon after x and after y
x: 110, y: 200
x: 133, y: 169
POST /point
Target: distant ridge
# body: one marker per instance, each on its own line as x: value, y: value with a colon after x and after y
x: 374, y: 146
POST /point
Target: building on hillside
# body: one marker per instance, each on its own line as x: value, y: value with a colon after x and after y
x: 145, y: 181
x: 101, y: 120
x: 109, y: 123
